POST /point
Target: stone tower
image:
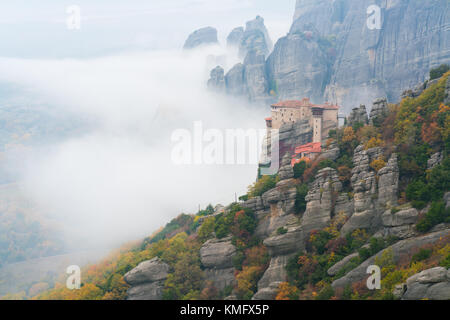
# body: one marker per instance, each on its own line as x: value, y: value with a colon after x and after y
x: 317, y: 124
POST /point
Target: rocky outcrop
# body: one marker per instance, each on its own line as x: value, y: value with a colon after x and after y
x: 331, y: 152
x: 275, y: 274
x: 286, y: 171
x: 234, y: 39
x: 147, y: 280
x: 216, y: 256
x: 436, y: 159
x: 399, y: 250
x: 321, y: 200
x: 274, y: 209
x: 379, y: 111
x: 255, y: 37
x: 358, y: 115
x: 217, y: 79
x: 204, y: 36
x: 364, y: 186
x: 388, y: 178
x: 268, y: 293
x: 217, y: 253
x: 431, y: 284
x: 400, y: 224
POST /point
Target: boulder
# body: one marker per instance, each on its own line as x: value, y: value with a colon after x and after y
x: 269, y: 293
x: 147, y: 280
x: 217, y: 253
x: 400, y: 218
x: 147, y: 271
x: 431, y: 284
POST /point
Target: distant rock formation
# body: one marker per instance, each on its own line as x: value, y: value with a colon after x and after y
x: 201, y: 37
x: 358, y: 115
x: 234, y: 39
x: 248, y: 79
x: 331, y: 54
x: 255, y: 37
x: 217, y: 79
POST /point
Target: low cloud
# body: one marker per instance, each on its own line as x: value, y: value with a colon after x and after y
x: 114, y: 180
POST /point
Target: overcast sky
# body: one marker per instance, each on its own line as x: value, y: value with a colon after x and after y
x: 37, y: 28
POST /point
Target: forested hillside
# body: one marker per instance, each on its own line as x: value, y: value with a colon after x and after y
x: 310, y: 231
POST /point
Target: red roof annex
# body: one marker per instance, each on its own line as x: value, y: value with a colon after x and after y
x: 309, y: 148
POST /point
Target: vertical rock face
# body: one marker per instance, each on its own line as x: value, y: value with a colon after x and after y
x: 217, y: 79
x: 234, y: 80
x: 413, y: 38
x: 320, y: 199
x: 388, y: 183
x: 364, y: 184
x: 255, y: 37
x: 201, y: 37
x: 298, y: 67
x: 255, y: 76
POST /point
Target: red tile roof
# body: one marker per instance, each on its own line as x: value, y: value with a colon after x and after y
x: 269, y: 119
x: 305, y: 102
x: 313, y: 147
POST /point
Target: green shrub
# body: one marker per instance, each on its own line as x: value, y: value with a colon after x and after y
x: 238, y: 260
x: 299, y: 169
x: 423, y: 254
x: 438, y: 72
x: 436, y: 215
x: 300, y: 202
x: 262, y: 185
x: 282, y: 230
x: 327, y: 163
x: 445, y: 262
x: 326, y: 293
